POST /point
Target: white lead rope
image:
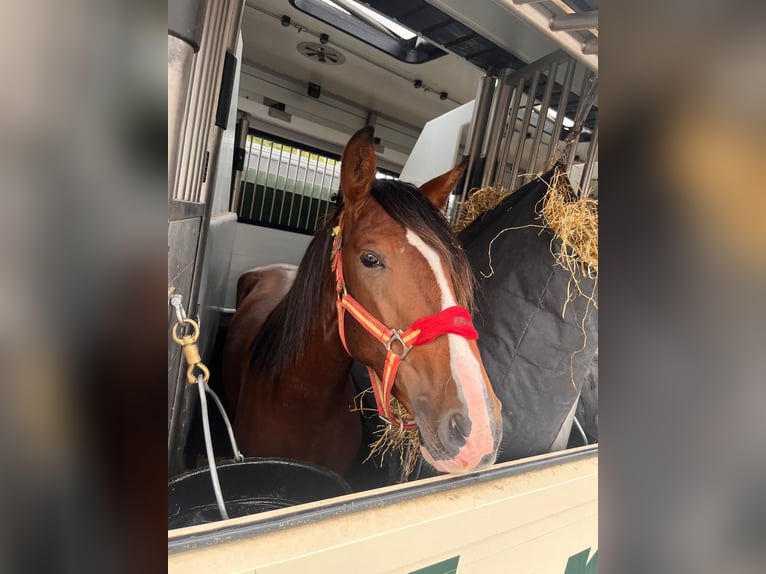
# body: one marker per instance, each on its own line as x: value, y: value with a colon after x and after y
x: 191, y: 354
x: 203, y: 391
x: 578, y: 426
x: 209, y: 447
x: 234, y: 448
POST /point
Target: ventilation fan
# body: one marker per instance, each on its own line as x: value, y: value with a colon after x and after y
x: 322, y: 54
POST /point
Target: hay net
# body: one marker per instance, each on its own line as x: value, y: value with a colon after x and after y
x: 572, y: 217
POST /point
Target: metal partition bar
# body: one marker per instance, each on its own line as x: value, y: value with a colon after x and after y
x: 295, y: 185
x: 303, y: 188
x: 276, y: 180
x: 587, y: 172
x: 510, y: 122
x: 477, y: 131
x: 283, y: 186
x: 330, y: 188
x: 316, y: 182
x: 508, y: 154
x: 265, y: 179
x: 524, y: 127
x: 252, y: 165
x: 305, y: 182
x: 259, y: 142
x: 497, y: 123
x: 319, y: 193
x: 542, y: 117
x: 502, y: 149
x: 238, y: 206
x: 561, y: 110
x: 587, y: 97
x: 311, y: 190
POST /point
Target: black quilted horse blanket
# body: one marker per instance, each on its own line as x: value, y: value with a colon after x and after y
x: 530, y: 351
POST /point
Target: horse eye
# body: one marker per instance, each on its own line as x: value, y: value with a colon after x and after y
x: 370, y: 260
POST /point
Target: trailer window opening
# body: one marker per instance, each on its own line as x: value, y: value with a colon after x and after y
x: 372, y: 28
x: 287, y: 186
x: 362, y: 11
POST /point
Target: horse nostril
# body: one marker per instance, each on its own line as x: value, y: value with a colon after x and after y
x: 460, y: 425
x: 453, y: 430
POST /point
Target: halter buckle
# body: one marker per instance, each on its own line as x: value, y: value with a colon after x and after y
x: 337, y: 242
x: 396, y: 336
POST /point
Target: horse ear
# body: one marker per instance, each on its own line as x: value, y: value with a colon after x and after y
x: 357, y: 170
x: 438, y: 189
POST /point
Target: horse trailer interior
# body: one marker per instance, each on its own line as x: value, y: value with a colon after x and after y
x: 265, y: 101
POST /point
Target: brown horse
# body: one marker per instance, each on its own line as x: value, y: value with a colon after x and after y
x: 387, y: 270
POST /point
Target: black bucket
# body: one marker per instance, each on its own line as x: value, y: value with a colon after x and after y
x: 249, y: 487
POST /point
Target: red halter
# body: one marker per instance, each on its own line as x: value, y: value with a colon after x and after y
x: 455, y: 320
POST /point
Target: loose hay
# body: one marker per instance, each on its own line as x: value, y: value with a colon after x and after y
x: 397, y: 440
x: 574, y: 221
x: 392, y: 439
x: 478, y: 202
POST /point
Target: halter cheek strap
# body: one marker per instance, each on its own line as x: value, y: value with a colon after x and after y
x: 452, y: 320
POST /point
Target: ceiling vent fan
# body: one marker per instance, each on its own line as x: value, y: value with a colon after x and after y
x: 321, y: 53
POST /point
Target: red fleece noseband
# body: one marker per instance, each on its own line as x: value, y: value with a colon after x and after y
x: 452, y: 320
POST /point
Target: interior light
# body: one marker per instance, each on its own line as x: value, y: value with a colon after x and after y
x: 396, y: 28
x: 567, y: 122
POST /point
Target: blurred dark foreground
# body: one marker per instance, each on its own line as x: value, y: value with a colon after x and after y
x: 683, y: 317
x: 83, y: 305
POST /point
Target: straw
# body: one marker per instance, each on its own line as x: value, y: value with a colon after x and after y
x: 393, y: 439
x: 478, y: 202
x: 397, y: 440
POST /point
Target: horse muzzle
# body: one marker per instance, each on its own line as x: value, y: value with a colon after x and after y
x: 456, y: 445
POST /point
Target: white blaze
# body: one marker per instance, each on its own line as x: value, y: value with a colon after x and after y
x: 466, y: 371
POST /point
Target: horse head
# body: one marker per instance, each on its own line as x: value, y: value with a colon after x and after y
x: 403, y: 289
